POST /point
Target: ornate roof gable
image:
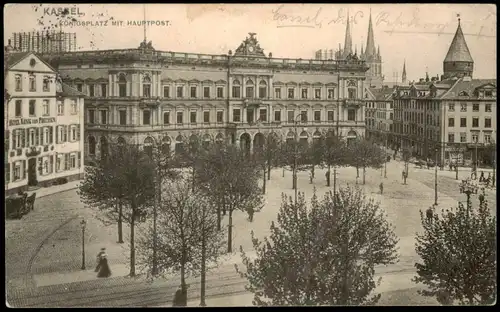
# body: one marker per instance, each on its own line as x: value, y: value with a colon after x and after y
x: 250, y: 47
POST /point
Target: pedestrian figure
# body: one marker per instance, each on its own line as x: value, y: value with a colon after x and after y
x: 104, y: 270
x: 381, y: 186
x: 250, y: 212
x: 481, y: 198
x: 451, y: 166
x: 429, y: 214
x: 327, y: 176
x: 177, y: 302
x: 403, y: 175
x: 481, y: 177
x: 98, y: 259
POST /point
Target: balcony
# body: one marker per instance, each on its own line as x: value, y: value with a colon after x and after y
x: 157, y: 127
x: 252, y: 102
x: 352, y: 103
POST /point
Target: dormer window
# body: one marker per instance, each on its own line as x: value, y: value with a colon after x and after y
x: 463, y: 93
x: 488, y: 93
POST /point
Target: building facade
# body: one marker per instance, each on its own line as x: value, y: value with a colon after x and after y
x: 146, y: 97
x: 453, y: 117
x: 43, y: 125
x: 380, y: 115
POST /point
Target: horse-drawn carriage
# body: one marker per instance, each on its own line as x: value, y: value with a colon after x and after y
x: 19, y: 205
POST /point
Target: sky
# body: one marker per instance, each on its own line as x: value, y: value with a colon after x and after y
x: 418, y: 33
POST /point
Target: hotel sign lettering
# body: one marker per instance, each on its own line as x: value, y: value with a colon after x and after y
x: 30, y: 121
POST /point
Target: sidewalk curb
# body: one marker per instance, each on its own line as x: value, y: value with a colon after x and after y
x: 56, y: 192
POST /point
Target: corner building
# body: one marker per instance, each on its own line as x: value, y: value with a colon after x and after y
x: 43, y: 125
x: 147, y: 97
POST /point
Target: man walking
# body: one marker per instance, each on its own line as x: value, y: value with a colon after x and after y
x: 381, y: 186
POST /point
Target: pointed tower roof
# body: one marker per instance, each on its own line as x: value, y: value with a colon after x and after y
x: 348, y: 38
x: 404, y: 71
x: 458, y: 52
x: 370, y: 41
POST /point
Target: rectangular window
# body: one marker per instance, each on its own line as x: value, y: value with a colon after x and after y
x: 79, y: 87
x: 249, y: 92
x: 463, y: 122
x: 487, y: 138
x: 104, y: 89
x: 475, y: 138
x: 17, y: 171
x: 277, y: 93
x: 262, y: 92
x: 291, y: 116
x: 317, y: 116
x: 32, y: 104
x: 220, y: 92
x: 91, y: 90
x: 220, y: 116
x: 146, y: 117
x: 73, y: 133
x: 32, y: 82
x: 330, y: 115
x: 146, y: 90
x: 192, y: 117
x: 463, y: 137
x: 206, y: 117
x: 303, y: 116
x: 475, y: 107
x: 304, y: 93
x: 19, y: 83
x: 277, y: 115
x: 463, y: 107
x: 475, y: 122
x: 236, y: 115
x: 46, y: 84
x: 72, y: 161
x: 263, y: 115
x: 179, y: 92
x: 74, y: 107
x: 351, y: 115
x: 166, y: 118
x: 60, y: 108
x: 451, y: 122
x: 122, y: 89
x: 104, y: 117
x: 291, y: 94
x: 206, y: 92
x: 166, y: 91
x: 487, y: 122
x: 123, y: 117
x: 91, y: 116
x: 351, y: 93
x: 59, y: 162
x: 193, y: 92
x: 317, y: 94
x: 331, y: 94
x: 180, y: 117
x: 19, y: 106
x: 451, y: 107
x: 236, y: 92
x: 487, y: 108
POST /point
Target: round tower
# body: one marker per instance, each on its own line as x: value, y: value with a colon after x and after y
x: 458, y: 62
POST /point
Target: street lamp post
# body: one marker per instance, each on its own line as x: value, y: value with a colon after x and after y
x: 83, y: 223
x: 468, y: 189
x: 436, y: 178
x: 295, y: 156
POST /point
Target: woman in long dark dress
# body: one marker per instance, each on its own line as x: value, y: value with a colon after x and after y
x: 104, y: 270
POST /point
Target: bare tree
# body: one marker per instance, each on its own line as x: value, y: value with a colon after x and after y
x: 187, y: 236
x: 127, y: 175
x: 335, y: 154
x: 230, y: 179
x: 364, y: 153
x: 268, y: 157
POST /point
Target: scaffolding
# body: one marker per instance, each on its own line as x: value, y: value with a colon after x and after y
x: 44, y: 41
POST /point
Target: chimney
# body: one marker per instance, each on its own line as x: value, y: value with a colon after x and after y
x: 442, y: 77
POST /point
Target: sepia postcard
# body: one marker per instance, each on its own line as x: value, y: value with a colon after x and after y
x: 161, y: 155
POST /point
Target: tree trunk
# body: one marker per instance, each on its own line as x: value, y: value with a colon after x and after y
x: 192, y: 177
x: 327, y: 177
x: 183, y: 283
x: 357, y: 172
x: 264, y: 180
x: 364, y: 174
x: 456, y: 172
x: 312, y: 171
x: 132, y: 242
x: 230, y: 232
x: 269, y: 170
x: 155, y: 235
x: 120, y: 223
x: 334, y: 180
x: 203, y: 266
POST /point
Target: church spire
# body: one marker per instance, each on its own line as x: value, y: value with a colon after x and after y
x: 348, y: 38
x: 403, y: 76
x: 370, y: 41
